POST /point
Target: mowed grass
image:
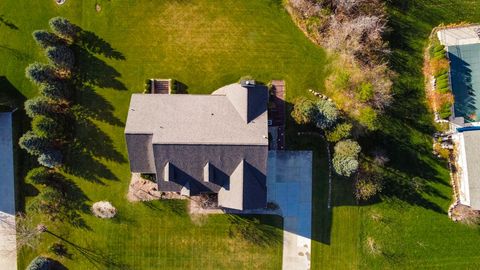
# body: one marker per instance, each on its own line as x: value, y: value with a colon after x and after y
x: 205, y: 45
x: 202, y: 44
x: 411, y: 230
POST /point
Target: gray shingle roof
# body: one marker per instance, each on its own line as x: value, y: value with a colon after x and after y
x: 202, y: 119
x: 472, y: 154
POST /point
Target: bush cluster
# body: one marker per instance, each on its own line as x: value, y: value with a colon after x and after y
x: 353, y: 31
x: 345, y: 157
x: 322, y: 113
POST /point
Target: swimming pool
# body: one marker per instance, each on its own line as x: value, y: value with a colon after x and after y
x: 465, y: 78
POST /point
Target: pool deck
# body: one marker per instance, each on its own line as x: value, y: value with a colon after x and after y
x: 459, y: 35
x: 8, y: 254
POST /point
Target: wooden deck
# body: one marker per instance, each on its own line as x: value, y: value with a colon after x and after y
x: 276, y: 112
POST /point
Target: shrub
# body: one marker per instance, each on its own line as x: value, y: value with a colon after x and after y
x: 366, y: 187
x: 347, y: 148
x: 33, y: 144
x: 149, y: 176
x: 46, y: 39
x: 64, y: 28
x: 60, y: 56
x: 340, y: 132
x: 326, y: 114
x: 40, y: 73
x: 368, y: 118
x: 41, y: 263
x: 59, y: 249
x: 345, y: 166
x: 303, y: 111
x: 345, y: 157
x: 365, y: 92
x: 41, y: 106
x: 39, y: 176
x: 51, y: 158
x: 57, y: 90
x: 49, y: 202
x: 445, y: 110
x: 439, y: 66
x: 47, y: 127
x: 342, y: 81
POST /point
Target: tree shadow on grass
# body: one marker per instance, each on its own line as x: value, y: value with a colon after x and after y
x: 94, y: 71
x: 258, y: 230
x: 8, y: 23
x: 95, y: 106
x: 98, y: 45
x: 98, y: 259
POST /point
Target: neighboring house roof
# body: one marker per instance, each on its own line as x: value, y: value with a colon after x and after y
x: 238, y: 117
x: 471, y: 167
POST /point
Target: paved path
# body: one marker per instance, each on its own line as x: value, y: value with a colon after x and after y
x: 8, y: 255
x: 459, y: 35
x: 289, y: 184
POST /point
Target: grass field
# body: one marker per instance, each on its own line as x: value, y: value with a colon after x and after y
x: 206, y: 45
x: 200, y: 44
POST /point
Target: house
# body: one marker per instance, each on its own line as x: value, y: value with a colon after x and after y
x: 203, y: 144
x: 463, y: 50
x: 468, y: 159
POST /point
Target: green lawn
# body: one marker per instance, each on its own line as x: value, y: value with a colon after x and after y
x: 206, y: 45
x: 202, y: 45
x: 410, y: 227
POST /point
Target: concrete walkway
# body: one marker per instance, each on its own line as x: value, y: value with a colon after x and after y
x: 8, y: 254
x: 459, y: 35
x: 289, y: 185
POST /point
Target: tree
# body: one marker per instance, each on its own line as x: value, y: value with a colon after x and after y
x: 47, y: 127
x: 303, y: 110
x: 365, y: 92
x: 50, y: 202
x: 368, y: 184
x: 40, y: 73
x: 326, y: 114
x: 60, y: 56
x: 38, y: 176
x: 345, y: 157
x: 51, y: 158
x: 46, y: 39
x: 340, y: 132
x: 64, y: 28
x: 56, y: 90
x: 33, y: 144
x: 345, y: 166
x: 347, y: 148
x: 368, y: 118
x: 42, y: 106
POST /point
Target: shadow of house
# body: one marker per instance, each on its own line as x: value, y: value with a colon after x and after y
x: 262, y: 231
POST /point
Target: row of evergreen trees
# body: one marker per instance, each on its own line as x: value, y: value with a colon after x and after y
x: 50, y: 110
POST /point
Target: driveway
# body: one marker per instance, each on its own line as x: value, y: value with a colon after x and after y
x: 289, y: 185
x: 8, y: 254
